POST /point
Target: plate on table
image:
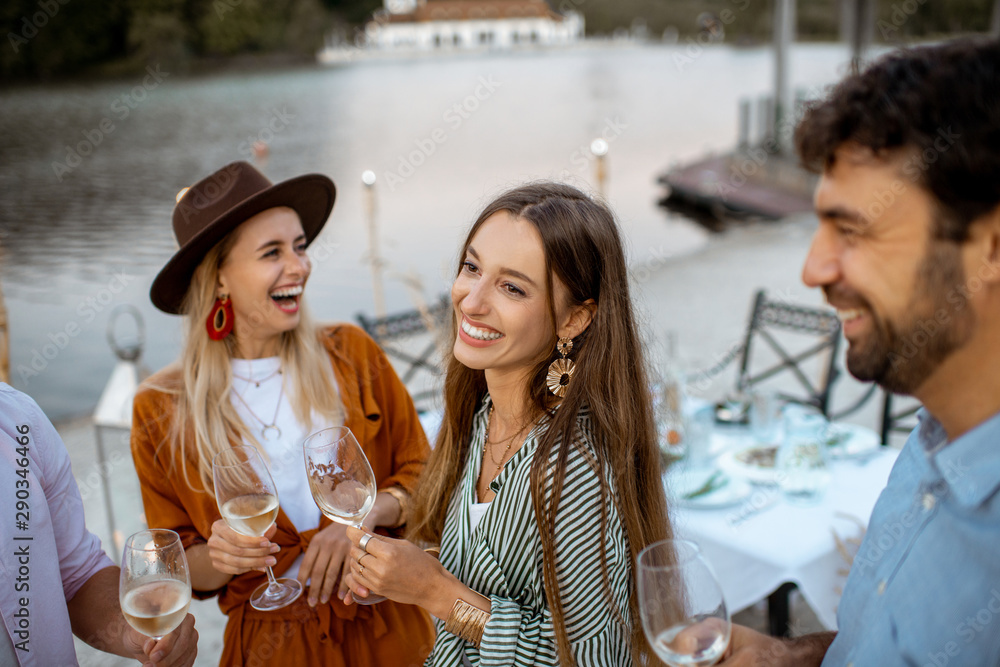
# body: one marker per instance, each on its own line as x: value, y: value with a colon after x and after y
x: 706, y: 489
x: 850, y: 441
x: 754, y: 464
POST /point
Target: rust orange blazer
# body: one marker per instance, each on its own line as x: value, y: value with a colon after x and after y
x: 381, y: 414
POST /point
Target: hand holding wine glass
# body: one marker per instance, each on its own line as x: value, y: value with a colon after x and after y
x: 248, y: 502
x: 341, y: 479
x: 683, y: 611
x: 154, y: 586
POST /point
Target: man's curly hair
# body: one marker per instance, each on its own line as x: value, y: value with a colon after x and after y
x: 937, y: 106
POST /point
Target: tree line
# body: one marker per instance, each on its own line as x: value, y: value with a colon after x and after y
x: 46, y: 39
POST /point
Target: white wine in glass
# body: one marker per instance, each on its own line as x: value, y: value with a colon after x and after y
x: 251, y: 514
x: 154, y: 587
x: 341, y: 479
x: 683, y: 611
x: 248, y: 502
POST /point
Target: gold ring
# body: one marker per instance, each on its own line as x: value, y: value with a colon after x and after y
x: 362, y: 572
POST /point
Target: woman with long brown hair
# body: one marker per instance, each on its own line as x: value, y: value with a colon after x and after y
x: 255, y: 371
x: 544, y: 483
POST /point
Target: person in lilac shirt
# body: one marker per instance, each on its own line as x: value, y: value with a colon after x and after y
x: 55, y: 581
x: 908, y: 252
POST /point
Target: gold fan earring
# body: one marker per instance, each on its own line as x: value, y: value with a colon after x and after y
x: 561, y: 370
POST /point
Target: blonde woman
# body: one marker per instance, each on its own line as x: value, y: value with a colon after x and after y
x: 255, y: 371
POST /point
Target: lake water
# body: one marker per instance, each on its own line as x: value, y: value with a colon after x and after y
x: 88, y: 173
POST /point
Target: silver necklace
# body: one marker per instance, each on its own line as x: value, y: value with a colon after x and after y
x: 257, y: 383
x: 270, y: 432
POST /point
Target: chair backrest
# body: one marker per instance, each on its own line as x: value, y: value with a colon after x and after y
x: 790, y: 332
x: 898, y: 418
x: 410, y: 340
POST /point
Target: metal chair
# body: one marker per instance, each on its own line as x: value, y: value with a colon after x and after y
x: 769, y: 322
x: 897, y: 419
x: 398, y: 335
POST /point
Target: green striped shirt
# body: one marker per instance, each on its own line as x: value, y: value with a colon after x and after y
x: 502, y: 559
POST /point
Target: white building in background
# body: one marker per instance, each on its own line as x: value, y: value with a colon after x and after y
x: 431, y: 25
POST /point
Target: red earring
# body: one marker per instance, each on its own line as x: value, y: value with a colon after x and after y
x: 220, y: 320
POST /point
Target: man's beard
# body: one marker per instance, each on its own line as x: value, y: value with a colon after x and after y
x: 900, y: 356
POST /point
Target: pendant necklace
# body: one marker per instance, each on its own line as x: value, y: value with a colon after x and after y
x: 257, y: 383
x: 270, y: 432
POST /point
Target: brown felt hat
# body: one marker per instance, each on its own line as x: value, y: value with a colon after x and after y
x: 218, y: 204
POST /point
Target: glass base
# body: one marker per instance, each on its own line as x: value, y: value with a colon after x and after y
x: 371, y: 599
x: 269, y: 597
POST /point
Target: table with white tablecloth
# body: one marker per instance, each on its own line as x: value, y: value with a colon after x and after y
x: 763, y: 542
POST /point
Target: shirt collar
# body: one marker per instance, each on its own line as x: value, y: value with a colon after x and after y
x: 969, y: 465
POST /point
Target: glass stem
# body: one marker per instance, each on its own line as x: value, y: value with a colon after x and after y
x: 272, y: 582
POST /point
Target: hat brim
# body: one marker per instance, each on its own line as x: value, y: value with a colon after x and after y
x: 311, y: 196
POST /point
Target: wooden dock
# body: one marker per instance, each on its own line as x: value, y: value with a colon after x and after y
x: 748, y: 182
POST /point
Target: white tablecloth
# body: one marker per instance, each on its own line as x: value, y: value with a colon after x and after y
x: 782, y: 543
x: 786, y: 543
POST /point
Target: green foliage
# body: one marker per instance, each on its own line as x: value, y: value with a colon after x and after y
x: 744, y: 19
x: 355, y: 12
x: 902, y: 20
x: 45, y: 38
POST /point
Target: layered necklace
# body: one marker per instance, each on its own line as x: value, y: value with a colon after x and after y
x: 269, y: 431
x: 510, y: 441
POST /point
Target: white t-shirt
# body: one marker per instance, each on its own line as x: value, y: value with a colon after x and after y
x: 476, y: 512
x: 259, y: 405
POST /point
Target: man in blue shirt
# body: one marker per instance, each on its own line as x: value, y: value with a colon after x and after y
x: 908, y: 252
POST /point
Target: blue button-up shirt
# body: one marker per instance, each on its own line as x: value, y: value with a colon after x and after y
x: 924, y: 589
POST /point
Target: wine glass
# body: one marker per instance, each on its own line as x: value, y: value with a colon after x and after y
x: 683, y: 612
x: 341, y: 479
x: 154, y: 587
x: 765, y: 416
x: 803, y: 472
x: 248, y: 501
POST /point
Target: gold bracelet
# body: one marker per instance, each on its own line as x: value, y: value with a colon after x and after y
x: 467, y: 622
x: 403, y: 498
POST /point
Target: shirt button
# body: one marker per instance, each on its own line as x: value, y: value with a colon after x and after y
x: 881, y: 587
x: 929, y: 501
